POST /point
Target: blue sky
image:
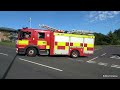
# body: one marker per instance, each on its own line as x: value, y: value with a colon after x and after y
x: 97, y: 21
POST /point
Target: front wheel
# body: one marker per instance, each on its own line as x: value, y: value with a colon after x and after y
x: 74, y: 54
x: 31, y: 52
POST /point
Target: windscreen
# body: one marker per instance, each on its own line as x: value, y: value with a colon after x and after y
x: 24, y: 35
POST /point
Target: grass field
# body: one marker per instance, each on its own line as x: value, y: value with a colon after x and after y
x: 7, y: 43
x: 98, y: 47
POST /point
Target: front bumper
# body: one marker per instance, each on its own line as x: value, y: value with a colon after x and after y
x: 20, y: 50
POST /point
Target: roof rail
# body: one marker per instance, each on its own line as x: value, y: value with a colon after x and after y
x: 50, y: 28
x: 83, y: 32
x: 71, y: 32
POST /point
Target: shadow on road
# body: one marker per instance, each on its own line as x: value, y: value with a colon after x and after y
x: 52, y: 56
x: 60, y: 56
x: 116, y: 54
x: 9, y: 67
x: 20, y: 55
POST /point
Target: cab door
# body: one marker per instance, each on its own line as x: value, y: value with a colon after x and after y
x: 42, y: 39
x: 23, y: 40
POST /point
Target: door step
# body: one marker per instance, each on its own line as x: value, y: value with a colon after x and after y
x: 44, y: 52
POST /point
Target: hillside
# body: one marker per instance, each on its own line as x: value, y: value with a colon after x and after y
x: 7, y: 29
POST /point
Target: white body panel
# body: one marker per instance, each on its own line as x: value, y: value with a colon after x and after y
x: 89, y: 40
x: 76, y: 39
x: 61, y: 39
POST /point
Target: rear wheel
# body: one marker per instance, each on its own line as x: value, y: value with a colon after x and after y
x: 31, y: 52
x: 74, y: 54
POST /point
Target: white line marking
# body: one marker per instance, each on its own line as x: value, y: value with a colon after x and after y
x: 93, y: 59
x: 116, y: 66
x: 40, y: 64
x: 103, y: 54
x: 112, y: 57
x: 104, y: 64
x: 115, y: 57
x: 4, y: 54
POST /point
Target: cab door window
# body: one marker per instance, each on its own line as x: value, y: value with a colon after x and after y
x: 41, y: 35
x: 26, y: 35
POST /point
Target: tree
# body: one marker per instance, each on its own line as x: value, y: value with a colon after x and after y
x: 113, y: 38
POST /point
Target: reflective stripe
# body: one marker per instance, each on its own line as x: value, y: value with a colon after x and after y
x: 90, y: 45
x: 41, y: 43
x: 61, y: 44
x: 22, y: 42
x: 47, y: 47
x: 76, y: 44
x: 61, y: 47
x: 85, y: 48
x: 55, y: 47
x: 66, y: 47
x: 90, y: 49
x: 73, y: 35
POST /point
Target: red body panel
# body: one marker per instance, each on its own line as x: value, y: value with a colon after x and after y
x: 52, y: 43
x: 61, y: 47
x: 90, y: 49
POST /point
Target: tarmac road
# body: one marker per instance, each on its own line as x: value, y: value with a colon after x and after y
x: 103, y: 64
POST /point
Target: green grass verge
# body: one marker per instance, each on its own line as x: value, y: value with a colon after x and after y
x: 7, y: 43
x: 98, y: 46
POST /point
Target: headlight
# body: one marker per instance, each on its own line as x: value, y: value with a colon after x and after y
x: 16, y: 41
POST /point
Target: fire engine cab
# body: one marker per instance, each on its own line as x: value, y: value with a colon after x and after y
x: 34, y: 42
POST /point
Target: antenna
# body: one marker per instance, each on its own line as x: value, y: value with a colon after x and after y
x: 30, y: 22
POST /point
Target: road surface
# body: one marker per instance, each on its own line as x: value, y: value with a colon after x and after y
x: 103, y: 64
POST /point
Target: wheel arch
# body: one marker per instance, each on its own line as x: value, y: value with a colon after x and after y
x: 32, y: 46
x: 75, y: 50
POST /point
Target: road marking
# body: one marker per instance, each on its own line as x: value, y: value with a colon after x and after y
x: 40, y: 64
x: 116, y: 66
x: 103, y: 54
x: 4, y: 54
x: 115, y: 57
x: 93, y: 59
x: 104, y: 64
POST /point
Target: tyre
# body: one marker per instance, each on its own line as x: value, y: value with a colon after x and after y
x: 74, y: 54
x: 31, y: 52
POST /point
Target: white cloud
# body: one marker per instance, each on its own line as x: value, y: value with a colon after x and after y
x: 102, y: 15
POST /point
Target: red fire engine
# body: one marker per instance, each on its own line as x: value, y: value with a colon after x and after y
x: 53, y: 42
